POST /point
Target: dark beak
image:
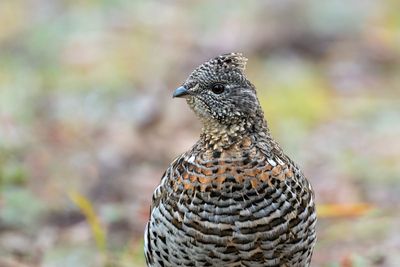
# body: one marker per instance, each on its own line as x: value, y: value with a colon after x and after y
x: 180, y: 92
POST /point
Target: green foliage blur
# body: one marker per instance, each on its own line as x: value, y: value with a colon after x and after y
x: 87, y: 119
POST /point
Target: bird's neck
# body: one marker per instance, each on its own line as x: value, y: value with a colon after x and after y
x: 221, y: 136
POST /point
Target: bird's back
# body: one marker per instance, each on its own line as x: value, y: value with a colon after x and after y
x: 247, y: 205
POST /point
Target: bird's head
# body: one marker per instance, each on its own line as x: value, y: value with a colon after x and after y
x: 219, y: 92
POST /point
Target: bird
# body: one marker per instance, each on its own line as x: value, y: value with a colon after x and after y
x: 235, y: 198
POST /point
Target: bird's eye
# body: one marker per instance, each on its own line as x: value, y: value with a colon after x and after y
x: 218, y: 88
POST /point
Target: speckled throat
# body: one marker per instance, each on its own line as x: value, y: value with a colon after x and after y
x: 218, y: 136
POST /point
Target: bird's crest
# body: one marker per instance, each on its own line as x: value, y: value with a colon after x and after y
x: 232, y: 62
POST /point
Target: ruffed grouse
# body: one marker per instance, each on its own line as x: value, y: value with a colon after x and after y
x: 235, y: 198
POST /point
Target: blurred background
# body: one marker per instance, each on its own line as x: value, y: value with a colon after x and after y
x: 88, y: 124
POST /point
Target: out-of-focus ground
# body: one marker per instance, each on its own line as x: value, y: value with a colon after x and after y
x: 88, y: 125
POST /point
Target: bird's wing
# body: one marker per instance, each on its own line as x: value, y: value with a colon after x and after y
x: 159, y: 194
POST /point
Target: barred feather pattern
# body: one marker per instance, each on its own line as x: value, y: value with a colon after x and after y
x: 248, y: 205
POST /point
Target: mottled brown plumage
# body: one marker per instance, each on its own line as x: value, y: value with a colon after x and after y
x: 233, y: 199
